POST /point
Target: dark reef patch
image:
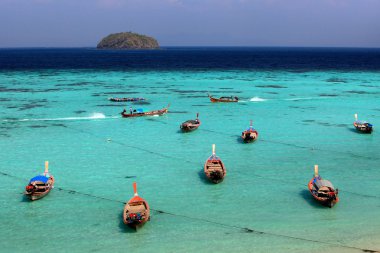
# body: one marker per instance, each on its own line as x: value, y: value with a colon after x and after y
x: 157, y: 92
x: 271, y: 92
x: 38, y: 126
x: 199, y: 105
x: 79, y: 111
x: 110, y: 105
x: 21, y: 90
x: 327, y: 95
x: 141, y: 103
x: 120, y: 92
x: 274, y: 86
x: 33, y: 104
x: 359, y: 92
x: 59, y: 125
x: 336, y: 80
x: 130, y: 176
x: 368, y: 85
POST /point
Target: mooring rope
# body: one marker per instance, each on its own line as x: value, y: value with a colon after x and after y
x: 241, y: 228
x: 196, y: 163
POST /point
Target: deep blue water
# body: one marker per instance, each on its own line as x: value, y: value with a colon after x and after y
x: 193, y: 58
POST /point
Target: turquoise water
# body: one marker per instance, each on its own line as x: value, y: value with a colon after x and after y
x: 262, y: 205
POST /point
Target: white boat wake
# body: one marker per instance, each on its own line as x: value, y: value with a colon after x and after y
x: 258, y: 99
x: 94, y: 116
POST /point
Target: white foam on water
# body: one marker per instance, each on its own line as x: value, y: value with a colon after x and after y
x: 258, y: 99
x: 96, y: 115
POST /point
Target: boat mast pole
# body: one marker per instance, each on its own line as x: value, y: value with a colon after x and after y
x: 213, y: 149
x: 356, y: 117
x: 46, y: 167
x: 316, y: 170
x: 135, y: 188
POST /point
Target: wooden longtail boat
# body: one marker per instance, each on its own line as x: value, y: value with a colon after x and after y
x: 136, y: 211
x: 126, y: 99
x: 323, y: 190
x: 39, y: 186
x: 214, y: 168
x: 190, y: 125
x: 250, y: 134
x: 362, y: 126
x: 137, y: 113
x: 223, y: 99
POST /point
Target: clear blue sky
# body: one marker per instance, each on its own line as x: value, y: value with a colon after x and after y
x: 77, y: 23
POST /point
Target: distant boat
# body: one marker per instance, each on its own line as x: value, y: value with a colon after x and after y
x: 362, y: 126
x: 214, y: 168
x: 136, y: 211
x: 140, y: 113
x: 39, y: 186
x: 250, y: 134
x: 223, y: 99
x: 323, y: 190
x: 126, y: 99
x: 190, y: 125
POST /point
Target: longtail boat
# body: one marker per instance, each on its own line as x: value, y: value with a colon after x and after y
x: 190, y: 125
x: 362, y: 126
x: 39, y: 186
x: 223, y: 99
x: 140, y: 112
x: 136, y: 211
x: 323, y: 190
x: 126, y: 99
x: 250, y: 134
x: 214, y: 168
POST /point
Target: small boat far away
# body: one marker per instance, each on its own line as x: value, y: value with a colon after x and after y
x: 126, y: 99
x: 323, y: 190
x: 39, y: 186
x: 362, y: 126
x: 223, y: 99
x: 140, y: 112
x: 190, y: 125
x: 214, y: 168
x: 136, y: 211
x: 250, y: 134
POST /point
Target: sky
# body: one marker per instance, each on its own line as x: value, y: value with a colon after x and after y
x: 298, y: 23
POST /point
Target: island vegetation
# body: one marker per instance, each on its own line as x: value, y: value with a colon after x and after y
x: 128, y: 40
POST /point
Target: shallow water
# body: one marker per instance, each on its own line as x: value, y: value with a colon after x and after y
x: 262, y: 205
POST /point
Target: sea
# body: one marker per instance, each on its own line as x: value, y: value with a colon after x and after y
x: 54, y: 106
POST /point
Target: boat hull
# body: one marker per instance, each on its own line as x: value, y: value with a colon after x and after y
x: 329, y: 202
x: 223, y: 100
x: 215, y: 171
x: 135, y: 224
x: 366, y: 130
x: 39, y: 195
x: 249, y: 136
x: 189, y: 126
x: 151, y: 113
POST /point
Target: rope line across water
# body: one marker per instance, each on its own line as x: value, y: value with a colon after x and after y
x: 243, y: 229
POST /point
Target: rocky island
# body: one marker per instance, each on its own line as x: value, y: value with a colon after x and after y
x: 128, y: 40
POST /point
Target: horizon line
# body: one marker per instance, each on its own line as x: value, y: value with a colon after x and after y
x: 209, y: 46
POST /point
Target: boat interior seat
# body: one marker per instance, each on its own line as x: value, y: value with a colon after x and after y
x: 137, y: 209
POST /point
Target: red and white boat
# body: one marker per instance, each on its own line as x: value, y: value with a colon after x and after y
x: 137, y: 211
